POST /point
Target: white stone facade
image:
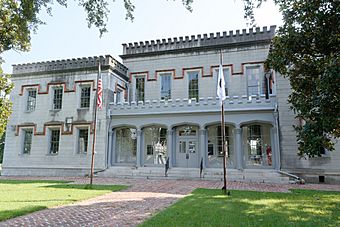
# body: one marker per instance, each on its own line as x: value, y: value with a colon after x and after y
x: 140, y: 133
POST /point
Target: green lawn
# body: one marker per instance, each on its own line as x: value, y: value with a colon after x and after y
x: 206, y: 207
x: 22, y: 197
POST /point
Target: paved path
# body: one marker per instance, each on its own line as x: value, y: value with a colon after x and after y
x: 133, y: 205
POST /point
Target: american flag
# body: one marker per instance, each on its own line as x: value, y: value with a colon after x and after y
x: 100, y: 93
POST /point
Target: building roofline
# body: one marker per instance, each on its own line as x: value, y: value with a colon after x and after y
x: 70, y: 65
x: 198, y: 42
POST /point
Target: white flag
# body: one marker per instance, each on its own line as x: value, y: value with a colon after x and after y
x: 221, y: 85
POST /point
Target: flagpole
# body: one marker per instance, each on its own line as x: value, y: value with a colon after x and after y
x: 223, y: 142
x: 94, y: 125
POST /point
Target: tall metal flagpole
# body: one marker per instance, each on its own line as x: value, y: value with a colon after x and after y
x: 223, y: 143
x: 94, y: 125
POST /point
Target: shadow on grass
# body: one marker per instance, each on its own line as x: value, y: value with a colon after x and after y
x: 207, y: 207
x: 112, y: 188
x: 7, y: 214
x: 33, y: 181
x: 38, y: 200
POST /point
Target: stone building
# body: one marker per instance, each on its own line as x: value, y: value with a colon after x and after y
x: 160, y: 114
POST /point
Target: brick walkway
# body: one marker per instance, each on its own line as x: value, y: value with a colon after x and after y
x: 133, y: 205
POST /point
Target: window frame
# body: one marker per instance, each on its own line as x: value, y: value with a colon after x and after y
x: 59, y: 99
x: 24, y: 142
x: 136, y: 78
x: 120, y: 96
x: 52, y: 142
x: 86, y: 98
x: 161, y: 75
x: 187, y: 72
x: 86, y: 145
x: 261, y: 80
x: 31, y: 104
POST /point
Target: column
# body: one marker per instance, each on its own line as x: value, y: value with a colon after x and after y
x: 276, y: 136
x: 169, y: 142
x: 139, y: 150
x: 113, y: 149
x: 202, y: 147
x: 238, y: 147
x: 275, y: 149
x: 109, y: 152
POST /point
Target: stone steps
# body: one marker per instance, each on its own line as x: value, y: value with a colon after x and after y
x: 248, y: 175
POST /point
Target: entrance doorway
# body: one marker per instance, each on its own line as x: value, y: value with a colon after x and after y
x: 187, y: 153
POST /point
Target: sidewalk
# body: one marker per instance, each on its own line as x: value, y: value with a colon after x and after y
x: 133, y: 205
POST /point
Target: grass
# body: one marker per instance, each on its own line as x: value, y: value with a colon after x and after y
x: 207, y: 207
x: 19, y: 197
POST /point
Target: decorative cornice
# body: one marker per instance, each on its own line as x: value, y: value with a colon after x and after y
x: 218, y: 40
x: 56, y: 84
x: 59, y: 124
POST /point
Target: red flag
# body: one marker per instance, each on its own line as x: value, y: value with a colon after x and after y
x: 100, y: 94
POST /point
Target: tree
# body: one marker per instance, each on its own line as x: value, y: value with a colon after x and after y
x: 5, y: 104
x: 306, y: 51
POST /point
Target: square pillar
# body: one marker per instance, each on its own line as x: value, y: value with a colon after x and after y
x: 139, y: 148
x: 169, y: 142
x: 202, y: 146
x: 109, y: 151
x: 238, y: 147
x: 113, y: 149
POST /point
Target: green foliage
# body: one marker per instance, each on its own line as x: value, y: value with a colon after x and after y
x: 206, y: 207
x: 5, y: 104
x: 306, y: 50
x: 22, y: 197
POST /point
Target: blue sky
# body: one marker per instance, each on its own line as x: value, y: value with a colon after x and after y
x: 66, y: 34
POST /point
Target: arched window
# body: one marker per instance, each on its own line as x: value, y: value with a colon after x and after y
x: 257, y: 145
x: 155, y: 145
x: 215, y: 154
x: 126, y: 145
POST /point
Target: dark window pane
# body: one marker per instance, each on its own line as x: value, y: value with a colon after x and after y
x: 83, y: 140
x: 54, y: 145
x: 27, y: 141
x: 140, y: 89
x: 31, y: 100
x: 85, y: 97
x: 193, y: 85
x: 57, y: 98
x: 166, y: 86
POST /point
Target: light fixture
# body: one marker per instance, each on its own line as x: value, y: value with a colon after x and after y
x: 68, y: 122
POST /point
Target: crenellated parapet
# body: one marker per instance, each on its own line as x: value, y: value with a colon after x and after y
x: 212, y: 40
x: 209, y: 104
x: 74, y: 64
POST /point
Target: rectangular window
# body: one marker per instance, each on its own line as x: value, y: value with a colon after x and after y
x: 57, y: 98
x: 255, y: 80
x: 119, y: 96
x: 255, y: 139
x: 83, y: 140
x: 54, y: 141
x: 226, y: 78
x: 31, y: 100
x: 140, y: 89
x: 166, y: 86
x: 193, y: 85
x: 27, y: 141
x: 85, y: 97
